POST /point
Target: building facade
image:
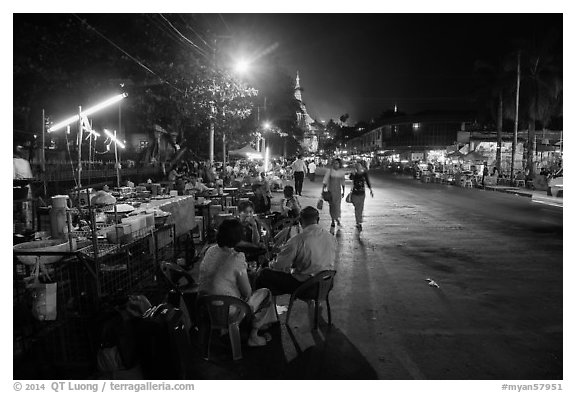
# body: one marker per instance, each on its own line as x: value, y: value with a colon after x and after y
x: 415, y: 133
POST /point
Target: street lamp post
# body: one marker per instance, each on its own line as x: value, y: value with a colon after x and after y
x: 266, y: 126
x: 79, y: 148
x: 116, y: 164
x: 212, y: 107
x: 211, y: 146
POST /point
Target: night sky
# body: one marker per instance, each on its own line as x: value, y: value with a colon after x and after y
x: 363, y: 64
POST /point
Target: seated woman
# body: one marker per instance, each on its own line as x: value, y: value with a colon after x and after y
x: 251, y: 242
x: 223, y: 272
x: 290, y: 205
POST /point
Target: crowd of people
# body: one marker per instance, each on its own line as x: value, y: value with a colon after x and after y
x: 237, y: 173
x: 248, y: 262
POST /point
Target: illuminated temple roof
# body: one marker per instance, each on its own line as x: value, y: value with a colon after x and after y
x: 304, y: 119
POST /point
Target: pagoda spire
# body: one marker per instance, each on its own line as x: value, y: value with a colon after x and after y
x: 297, y: 88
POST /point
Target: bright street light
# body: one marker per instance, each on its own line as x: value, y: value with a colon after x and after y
x: 242, y: 66
x: 88, y: 112
x: 266, y: 125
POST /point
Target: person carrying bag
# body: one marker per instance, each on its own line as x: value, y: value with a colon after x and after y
x: 333, y: 191
x: 357, y: 196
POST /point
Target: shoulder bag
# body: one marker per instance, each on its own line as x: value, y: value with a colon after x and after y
x: 327, y: 195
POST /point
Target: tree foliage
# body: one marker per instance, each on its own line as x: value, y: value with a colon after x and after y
x: 63, y: 60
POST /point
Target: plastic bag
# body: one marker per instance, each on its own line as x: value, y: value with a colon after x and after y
x: 43, y: 297
x: 44, y: 301
x: 326, y: 195
x: 320, y: 204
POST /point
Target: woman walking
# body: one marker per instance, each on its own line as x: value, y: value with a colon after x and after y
x: 334, y: 182
x: 360, y: 180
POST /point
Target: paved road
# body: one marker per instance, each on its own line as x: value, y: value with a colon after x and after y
x: 497, y: 259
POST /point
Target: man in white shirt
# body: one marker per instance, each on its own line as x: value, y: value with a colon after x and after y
x: 312, y: 170
x: 299, y: 168
x: 308, y: 253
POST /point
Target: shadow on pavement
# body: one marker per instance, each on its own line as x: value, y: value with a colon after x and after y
x: 332, y: 357
x: 292, y: 354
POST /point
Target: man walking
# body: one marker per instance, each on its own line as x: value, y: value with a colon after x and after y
x: 312, y: 170
x: 299, y: 168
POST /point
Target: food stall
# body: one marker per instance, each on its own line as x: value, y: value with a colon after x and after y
x: 94, y: 251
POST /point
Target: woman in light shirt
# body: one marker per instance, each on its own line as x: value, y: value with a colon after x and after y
x: 334, y: 182
x: 223, y: 271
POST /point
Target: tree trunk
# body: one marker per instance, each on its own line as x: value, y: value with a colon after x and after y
x: 499, y: 132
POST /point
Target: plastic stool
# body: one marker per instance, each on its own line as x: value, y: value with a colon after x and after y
x: 468, y: 183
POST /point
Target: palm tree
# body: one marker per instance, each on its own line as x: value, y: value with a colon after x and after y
x: 498, y: 82
x: 542, y: 89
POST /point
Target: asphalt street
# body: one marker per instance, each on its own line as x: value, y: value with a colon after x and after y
x: 497, y: 259
x: 495, y: 314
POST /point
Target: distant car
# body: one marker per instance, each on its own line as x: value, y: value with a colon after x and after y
x: 555, y: 184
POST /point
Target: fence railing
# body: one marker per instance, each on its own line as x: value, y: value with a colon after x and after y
x: 64, y: 172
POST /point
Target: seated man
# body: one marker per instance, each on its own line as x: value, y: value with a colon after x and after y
x: 260, y: 200
x: 304, y: 255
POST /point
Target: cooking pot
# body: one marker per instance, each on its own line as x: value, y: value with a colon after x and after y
x: 61, y: 202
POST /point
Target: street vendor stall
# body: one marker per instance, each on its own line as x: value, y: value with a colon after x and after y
x: 181, y: 209
x: 98, y: 255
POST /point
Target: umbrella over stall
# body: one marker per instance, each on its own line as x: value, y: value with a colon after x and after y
x: 455, y: 154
